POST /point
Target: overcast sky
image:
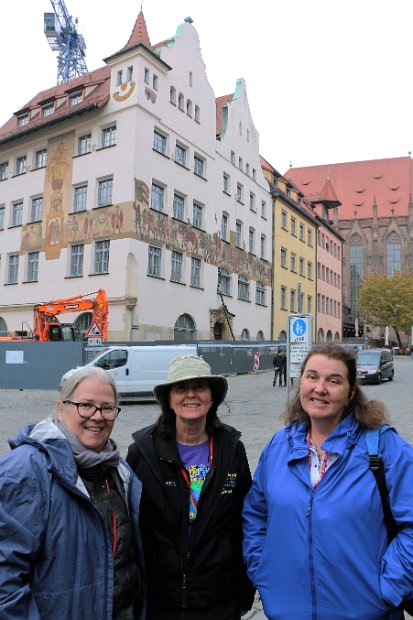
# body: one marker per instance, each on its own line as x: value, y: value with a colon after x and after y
x: 327, y: 81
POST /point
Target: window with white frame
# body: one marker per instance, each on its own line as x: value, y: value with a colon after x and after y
x: 224, y: 227
x: 292, y: 262
x: 199, y: 165
x: 243, y: 288
x: 76, y: 259
x: 101, y: 261
x: 157, y: 197
x: 189, y: 108
x: 159, y: 142
x: 21, y: 164
x: 239, y: 192
x: 178, y: 206
x: 292, y: 301
x: 301, y: 266
x: 105, y: 188
x: 252, y: 202
x: 75, y: 99
x: 36, y: 209
x: 284, y: 220
x: 23, y: 120
x: 109, y: 136
x: 283, y: 257
x: 283, y: 294
x: 154, y: 261
x: 155, y: 82
x: 181, y: 101
x: 251, y: 240
x: 32, y: 266
x: 146, y: 75
x: 180, y: 155
x: 119, y: 77
x: 263, y: 209
x: 13, y: 269
x: 2, y: 216
x: 262, y: 247
x: 172, y: 95
x: 309, y: 237
x: 195, y: 272
x: 260, y: 294
x: 196, y: 215
x: 129, y: 74
x: 40, y: 158
x: 309, y: 270
x: 301, y: 233
x: 197, y: 116
x: 177, y: 261
x: 238, y: 234
x: 224, y: 281
x: 293, y: 226
x: 17, y: 214
x: 48, y: 109
x: 225, y: 183
x: 84, y: 144
x: 79, y: 198
x: 4, y: 170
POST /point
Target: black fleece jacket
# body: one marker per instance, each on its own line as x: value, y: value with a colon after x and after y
x: 204, y: 568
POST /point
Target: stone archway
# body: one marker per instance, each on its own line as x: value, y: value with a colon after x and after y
x: 220, y: 317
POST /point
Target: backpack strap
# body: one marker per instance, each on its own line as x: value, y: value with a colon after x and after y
x: 376, y: 464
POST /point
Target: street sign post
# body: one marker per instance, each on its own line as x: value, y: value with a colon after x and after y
x: 300, y: 341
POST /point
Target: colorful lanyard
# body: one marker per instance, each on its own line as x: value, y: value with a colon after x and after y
x: 323, y: 462
x: 185, y: 473
x: 114, y: 524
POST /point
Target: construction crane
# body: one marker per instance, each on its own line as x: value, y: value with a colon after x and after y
x: 61, y: 32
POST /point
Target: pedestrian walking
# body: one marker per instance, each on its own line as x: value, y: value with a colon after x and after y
x: 195, y: 476
x: 315, y: 501
x: 277, y: 363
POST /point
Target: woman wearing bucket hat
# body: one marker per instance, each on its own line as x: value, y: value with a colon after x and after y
x: 195, y: 476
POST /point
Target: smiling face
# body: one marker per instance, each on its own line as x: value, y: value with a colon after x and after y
x: 325, y: 390
x: 94, y: 432
x: 190, y: 400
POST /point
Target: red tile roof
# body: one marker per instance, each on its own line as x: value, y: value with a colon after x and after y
x: 357, y: 185
x: 97, y: 84
x: 139, y: 33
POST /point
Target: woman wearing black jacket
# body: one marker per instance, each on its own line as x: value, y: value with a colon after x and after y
x: 195, y: 476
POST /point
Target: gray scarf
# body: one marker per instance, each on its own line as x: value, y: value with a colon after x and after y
x: 86, y: 458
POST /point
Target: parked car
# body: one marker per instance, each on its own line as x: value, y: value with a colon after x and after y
x: 374, y: 365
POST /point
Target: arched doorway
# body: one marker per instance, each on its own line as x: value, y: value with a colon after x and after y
x: 217, y: 331
x: 82, y: 324
x: 320, y: 335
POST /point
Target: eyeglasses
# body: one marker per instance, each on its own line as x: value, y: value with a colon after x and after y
x: 88, y: 410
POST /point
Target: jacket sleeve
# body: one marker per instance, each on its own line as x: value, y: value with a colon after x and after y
x: 255, y: 520
x: 246, y: 588
x: 23, y: 519
x: 396, y: 579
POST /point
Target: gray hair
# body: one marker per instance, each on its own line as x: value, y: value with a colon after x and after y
x: 86, y: 373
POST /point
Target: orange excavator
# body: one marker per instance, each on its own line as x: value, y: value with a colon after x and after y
x: 47, y: 327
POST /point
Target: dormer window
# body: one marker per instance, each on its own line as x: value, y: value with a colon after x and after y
x: 48, y: 109
x: 75, y: 98
x: 23, y: 120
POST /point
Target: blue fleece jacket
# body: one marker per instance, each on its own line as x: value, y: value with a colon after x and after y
x: 55, y: 555
x: 322, y: 554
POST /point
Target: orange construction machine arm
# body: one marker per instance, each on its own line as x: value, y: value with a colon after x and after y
x: 46, y: 313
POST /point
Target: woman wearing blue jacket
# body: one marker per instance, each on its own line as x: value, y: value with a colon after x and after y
x: 70, y: 546
x: 315, y: 540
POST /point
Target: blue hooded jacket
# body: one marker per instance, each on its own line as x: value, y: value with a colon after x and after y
x: 55, y: 554
x: 322, y: 554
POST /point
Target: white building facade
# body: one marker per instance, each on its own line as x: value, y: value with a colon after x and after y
x: 134, y: 179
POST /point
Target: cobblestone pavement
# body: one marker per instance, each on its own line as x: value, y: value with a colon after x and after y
x: 253, y: 406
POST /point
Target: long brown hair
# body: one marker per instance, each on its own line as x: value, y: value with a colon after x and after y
x: 369, y: 413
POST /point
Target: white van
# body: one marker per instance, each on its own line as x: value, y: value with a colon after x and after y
x: 137, y: 369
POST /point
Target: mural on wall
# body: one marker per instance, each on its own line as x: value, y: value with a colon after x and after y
x: 154, y: 226
x: 57, y: 193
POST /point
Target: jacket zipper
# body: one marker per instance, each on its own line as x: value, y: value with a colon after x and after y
x: 184, y: 580
x: 311, y: 558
